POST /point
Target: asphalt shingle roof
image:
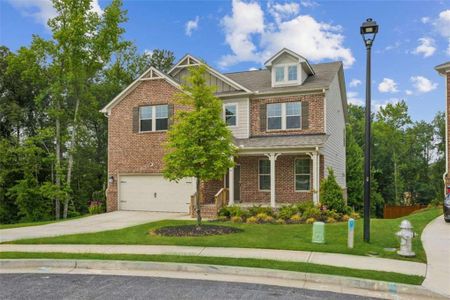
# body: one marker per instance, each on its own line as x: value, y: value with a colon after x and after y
x: 282, y: 141
x: 260, y: 80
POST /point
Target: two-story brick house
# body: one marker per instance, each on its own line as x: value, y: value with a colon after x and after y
x: 288, y: 122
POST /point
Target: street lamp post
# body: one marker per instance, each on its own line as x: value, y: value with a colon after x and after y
x: 369, y: 29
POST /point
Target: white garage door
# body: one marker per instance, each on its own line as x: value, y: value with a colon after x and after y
x: 154, y: 193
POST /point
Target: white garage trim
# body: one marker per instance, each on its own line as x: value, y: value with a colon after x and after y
x: 152, y: 192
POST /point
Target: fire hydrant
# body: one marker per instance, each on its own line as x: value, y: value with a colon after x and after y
x: 406, y: 235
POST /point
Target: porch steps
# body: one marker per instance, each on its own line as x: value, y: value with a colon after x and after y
x: 208, y: 211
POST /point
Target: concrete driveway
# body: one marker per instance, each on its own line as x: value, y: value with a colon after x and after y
x: 436, y: 242
x: 96, y: 223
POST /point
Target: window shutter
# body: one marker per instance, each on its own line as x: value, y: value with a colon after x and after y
x: 262, y: 117
x: 171, y: 110
x: 305, y: 115
x: 135, y: 119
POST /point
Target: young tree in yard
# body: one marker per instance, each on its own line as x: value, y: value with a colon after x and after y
x: 199, y: 143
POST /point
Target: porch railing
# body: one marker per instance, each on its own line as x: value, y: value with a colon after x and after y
x: 221, y: 198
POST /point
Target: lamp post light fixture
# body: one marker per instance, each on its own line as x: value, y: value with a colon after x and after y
x: 369, y: 30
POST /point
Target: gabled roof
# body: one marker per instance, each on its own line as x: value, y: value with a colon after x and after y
x: 150, y: 74
x: 192, y: 61
x: 307, y: 67
x: 443, y: 68
x: 259, y: 81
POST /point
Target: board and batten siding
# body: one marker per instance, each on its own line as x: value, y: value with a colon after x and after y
x: 241, y: 131
x: 334, y: 149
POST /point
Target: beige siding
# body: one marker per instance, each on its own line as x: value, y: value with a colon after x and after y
x: 211, y: 80
x: 240, y: 131
x: 334, y: 150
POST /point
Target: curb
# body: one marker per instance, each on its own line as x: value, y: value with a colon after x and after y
x: 341, y: 284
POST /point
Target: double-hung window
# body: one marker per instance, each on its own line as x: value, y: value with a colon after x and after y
x: 264, y: 174
x: 230, y: 112
x: 279, y: 74
x: 292, y: 73
x: 153, y: 118
x: 285, y: 74
x: 302, y: 174
x: 282, y: 116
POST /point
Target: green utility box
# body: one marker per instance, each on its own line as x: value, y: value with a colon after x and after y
x: 318, y: 235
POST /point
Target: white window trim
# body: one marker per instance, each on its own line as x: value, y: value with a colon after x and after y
x: 153, y: 107
x: 295, y: 174
x: 284, y: 117
x: 259, y: 176
x: 286, y: 80
x: 237, y: 113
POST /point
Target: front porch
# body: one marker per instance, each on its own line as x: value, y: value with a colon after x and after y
x: 267, y: 178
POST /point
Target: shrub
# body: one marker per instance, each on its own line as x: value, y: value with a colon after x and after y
x: 295, y: 219
x: 280, y: 221
x: 258, y: 209
x: 331, y: 220
x: 355, y: 215
x: 313, y: 212
x: 331, y: 193
x: 345, y: 218
x: 233, y: 211
x: 222, y: 219
x: 95, y: 207
x: 264, y: 218
x: 251, y: 220
x: 286, y: 212
x: 310, y: 220
x: 236, y: 219
x: 303, y: 206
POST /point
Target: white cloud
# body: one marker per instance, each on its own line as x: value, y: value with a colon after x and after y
x: 246, y: 20
x: 191, y: 25
x: 309, y: 3
x: 253, y: 69
x: 408, y: 92
x: 442, y: 24
x: 425, y: 20
x: 426, y: 47
x: 423, y: 84
x: 353, y: 98
x: 314, y: 40
x: 355, y: 82
x: 43, y: 10
x: 283, y: 11
x: 387, y: 86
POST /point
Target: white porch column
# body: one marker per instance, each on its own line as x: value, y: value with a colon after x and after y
x: 272, y: 157
x: 315, y: 175
x: 231, y: 186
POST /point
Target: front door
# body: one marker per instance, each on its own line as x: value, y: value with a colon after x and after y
x: 237, y: 183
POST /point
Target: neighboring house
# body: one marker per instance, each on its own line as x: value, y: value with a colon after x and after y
x: 444, y: 70
x: 288, y: 122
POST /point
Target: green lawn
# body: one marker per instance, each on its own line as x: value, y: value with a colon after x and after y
x: 290, y: 237
x: 255, y: 263
x: 17, y: 225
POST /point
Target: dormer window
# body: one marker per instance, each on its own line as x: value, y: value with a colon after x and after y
x: 285, y: 74
x: 292, y: 73
x: 279, y: 74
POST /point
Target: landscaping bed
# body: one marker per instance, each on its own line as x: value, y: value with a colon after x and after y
x: 269, y: 236
x: 194, y: 230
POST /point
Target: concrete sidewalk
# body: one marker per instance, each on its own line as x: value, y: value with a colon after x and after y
x: 330, y: 259
x: 436, y: 242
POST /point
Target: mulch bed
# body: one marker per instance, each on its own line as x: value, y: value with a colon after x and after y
x: 193, y: 230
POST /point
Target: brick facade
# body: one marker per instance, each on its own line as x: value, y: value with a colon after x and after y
x: 316, y: 114
x: 284, y: 180
x: 136, y: 153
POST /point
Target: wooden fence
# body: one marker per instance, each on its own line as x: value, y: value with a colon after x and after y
x: 393, y: 211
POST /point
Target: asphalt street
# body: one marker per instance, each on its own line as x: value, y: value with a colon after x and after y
x: 74, y: 286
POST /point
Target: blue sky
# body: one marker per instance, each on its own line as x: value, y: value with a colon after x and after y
x: 231, y: 36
